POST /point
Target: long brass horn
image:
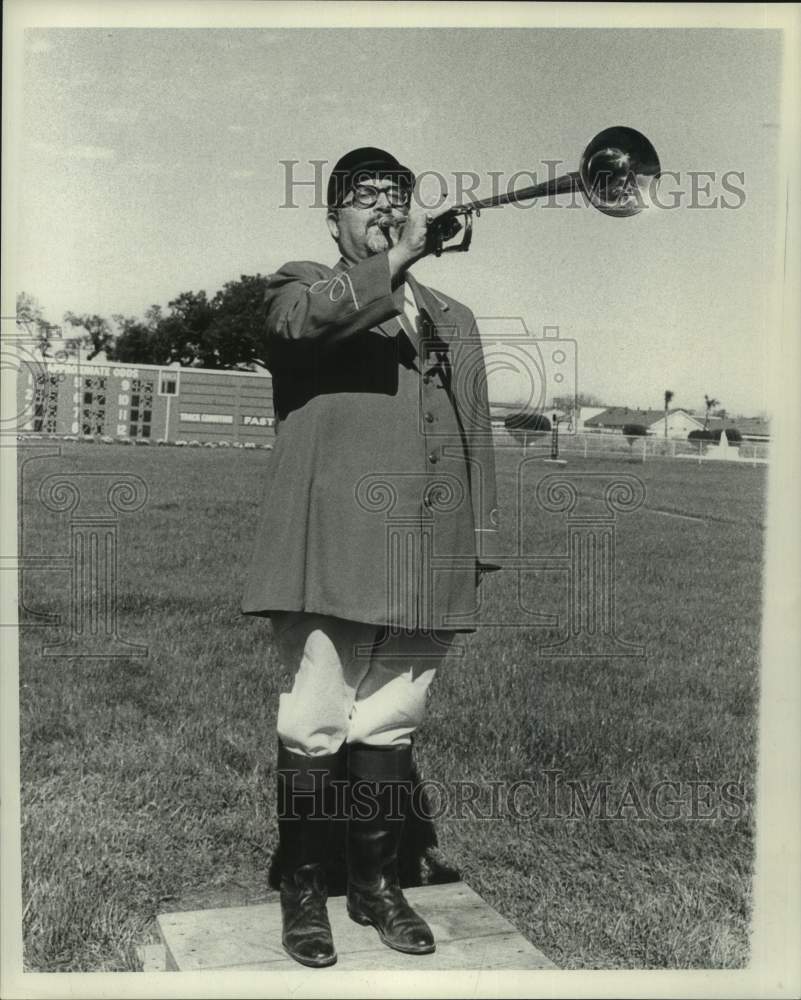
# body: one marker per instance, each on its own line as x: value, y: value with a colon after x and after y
x: 617, y: 175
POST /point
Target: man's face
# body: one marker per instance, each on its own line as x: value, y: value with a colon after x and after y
x: 370, y: 219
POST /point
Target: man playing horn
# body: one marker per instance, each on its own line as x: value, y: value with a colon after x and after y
x: 379, y: 506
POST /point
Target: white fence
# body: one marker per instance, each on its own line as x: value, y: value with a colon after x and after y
x: 645, y: 448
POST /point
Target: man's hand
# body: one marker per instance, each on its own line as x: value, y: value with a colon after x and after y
x: 415, y: 239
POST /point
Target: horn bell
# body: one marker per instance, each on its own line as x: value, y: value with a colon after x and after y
x: 619, y: 171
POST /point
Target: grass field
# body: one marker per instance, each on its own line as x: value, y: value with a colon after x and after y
x: 147, y: 784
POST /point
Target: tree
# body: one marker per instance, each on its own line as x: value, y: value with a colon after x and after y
x: 140, y: 341
x: 668, y: 398
x: 732, y: 434
x: 97, y: 332
x: 709, y: 402
x: 529, y: 420
x: 570, y: 403
x: 702, y: 437
x: 236, y: 333
x: 135, y: 343
x: 523, y: 424
x: 633, y: 431
x: 224, y: 332
x: 181, y: 334
x: 30, y: 317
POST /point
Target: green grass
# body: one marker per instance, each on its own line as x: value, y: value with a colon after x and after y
x: 147, y: 784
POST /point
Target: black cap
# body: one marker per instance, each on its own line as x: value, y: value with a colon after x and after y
x: 361, y: 164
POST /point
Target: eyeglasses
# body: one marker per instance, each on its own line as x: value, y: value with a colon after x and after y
x: 365, y: 196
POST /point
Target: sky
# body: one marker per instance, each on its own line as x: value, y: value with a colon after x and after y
x: 150, y: 163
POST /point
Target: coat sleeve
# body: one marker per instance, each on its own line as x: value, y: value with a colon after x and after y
x: 309, y: 305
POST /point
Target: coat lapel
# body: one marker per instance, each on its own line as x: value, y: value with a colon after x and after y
x: 436, y: 328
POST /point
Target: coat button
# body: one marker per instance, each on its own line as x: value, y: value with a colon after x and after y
x: 426, y: 380
x: 432, y: 457
x: 429, y: 418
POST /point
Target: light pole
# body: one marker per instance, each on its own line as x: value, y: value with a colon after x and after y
x: 555, y: 459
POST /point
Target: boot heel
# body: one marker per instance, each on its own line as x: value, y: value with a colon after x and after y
x: 359, y: 918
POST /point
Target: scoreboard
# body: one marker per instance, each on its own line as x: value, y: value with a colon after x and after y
x: 145, y: 402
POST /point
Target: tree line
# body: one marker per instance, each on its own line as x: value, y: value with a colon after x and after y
x: 224, y: 331
x: 227, y: 331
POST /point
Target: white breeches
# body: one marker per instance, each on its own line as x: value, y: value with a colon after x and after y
x: 353, y: 682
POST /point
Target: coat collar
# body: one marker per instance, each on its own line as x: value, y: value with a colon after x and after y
x: 432, y: 300
x: 431, y: 306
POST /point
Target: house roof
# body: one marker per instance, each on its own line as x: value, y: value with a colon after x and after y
x: 618, y: 416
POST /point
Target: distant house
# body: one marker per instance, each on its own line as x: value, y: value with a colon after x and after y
x: 587, y: 412
x: 614, y: 418
x: 679, y: 424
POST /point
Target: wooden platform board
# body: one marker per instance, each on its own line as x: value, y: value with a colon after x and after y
x: 469, y: 935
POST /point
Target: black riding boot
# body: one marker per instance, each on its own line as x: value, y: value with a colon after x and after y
x: 305, y: 807
x: 380, y: 787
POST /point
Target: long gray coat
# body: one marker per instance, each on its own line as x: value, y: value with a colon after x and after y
x: 380, y: 496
